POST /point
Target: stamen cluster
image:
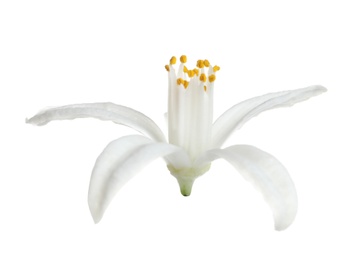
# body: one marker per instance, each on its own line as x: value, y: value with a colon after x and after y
x: 198, y: 72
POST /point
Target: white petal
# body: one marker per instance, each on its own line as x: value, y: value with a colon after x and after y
x: 237, y: 115
x: 104, y: 111
x: 120, y: 161
x: 267, y: 175
x: 114, y: 154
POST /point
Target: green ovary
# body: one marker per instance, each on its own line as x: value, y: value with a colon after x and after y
x: 187, y: 176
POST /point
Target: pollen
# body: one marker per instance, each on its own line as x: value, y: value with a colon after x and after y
x: 200, y: 64
x: 203, y: 77
x: 172, y: 60
x: 212, y: 78
x: 180, y: 81
x: 191, y: 73
x: 197, y: 72
x: 183, y: 58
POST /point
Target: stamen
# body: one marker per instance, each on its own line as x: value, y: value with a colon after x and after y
x: 183, y: 58
x: 185, y: 69
x: 167, y: 67
x: 216, y: 68
x: 203, y: 77
x: 180, y: 81
x: 196, y: 71
x: 212, y: 78
x: 186, y: 84
x: 206, y: 63
x: 172, y: 60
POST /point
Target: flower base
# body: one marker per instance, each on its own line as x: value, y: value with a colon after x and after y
x: 186, y: 177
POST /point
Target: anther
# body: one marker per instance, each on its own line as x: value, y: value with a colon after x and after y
x: 191, y: 73
x: 200, y: 64
x: 167, y: 67
x: 206, y: 63
x: 212, y: 78
x: 203, y: 77
x: 204, y: 88
x: 196, y: 71
x: 185, y: 69
x: 180, y: 81
x: 216, y: 68
x: 186, y: 84
x: 172, y: 60
x: 183, y: 58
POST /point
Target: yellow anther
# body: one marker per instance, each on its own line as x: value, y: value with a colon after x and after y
x: 206, y: 63
x: 185, y: 69
x: 200, y: 64
x: 204, y: 88
x: 196, y: 71
x: 167, y: 67
x: 183, y: 59
x: 172, y: 60
x: 180, y: 81
x: 203, y: 77
x: 212, y: 78
x: 186, y: 84
x: 216, y: 68
x: 191, y: 73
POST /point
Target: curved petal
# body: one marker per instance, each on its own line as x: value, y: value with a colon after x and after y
x: 267, y: 175
x: 120, y: 161
x: 104, y: 111
x: 237, y: 115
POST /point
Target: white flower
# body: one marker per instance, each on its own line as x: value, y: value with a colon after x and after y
x: 194, y: 140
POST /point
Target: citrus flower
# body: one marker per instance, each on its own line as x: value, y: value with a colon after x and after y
x: 194, y: 140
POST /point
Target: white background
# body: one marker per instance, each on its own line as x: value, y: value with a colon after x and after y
x: 62, y: 52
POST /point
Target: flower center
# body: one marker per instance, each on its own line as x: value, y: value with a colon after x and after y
x: 190, y: 105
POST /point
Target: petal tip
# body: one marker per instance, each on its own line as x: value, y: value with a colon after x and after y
x: 29, y: 121
x: 95, y: 220
x: 95, y: 210
x: 285, y: 220
x: 35, y: 120
x: 96, y: 216
x: 319, y: 89
x: 281, y: 226
x: 322, y: 88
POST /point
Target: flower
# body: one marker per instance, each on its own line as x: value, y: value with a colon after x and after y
x: 194, y: 140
